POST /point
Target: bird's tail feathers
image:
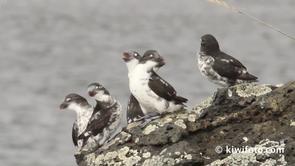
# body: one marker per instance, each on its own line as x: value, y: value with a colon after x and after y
x: 180, y: 100
x: 249, y: 77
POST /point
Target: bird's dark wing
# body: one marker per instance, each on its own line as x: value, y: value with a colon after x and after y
x: 133, y: 109
x: 227, y: 66
x: 163, y: 89
x: 96, y: 124
x: 75, y: 134
x: 233, y: 60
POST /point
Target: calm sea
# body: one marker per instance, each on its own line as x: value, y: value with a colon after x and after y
x: 51, y: 48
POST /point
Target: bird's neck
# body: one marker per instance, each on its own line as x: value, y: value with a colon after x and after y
x: 142, y: 71
x: 131, y: 65
x: 104, y: 98
x: 148, y: 66
x: 102, y: 105
x: 84, y: 111
x: 80, y: 109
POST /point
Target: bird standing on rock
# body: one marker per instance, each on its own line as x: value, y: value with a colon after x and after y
x: 95, y: 127
x: 155, y: 95
x: 219, y: 67
x: 84, y: 111
x: 134, y: 112
x: 108, y: 118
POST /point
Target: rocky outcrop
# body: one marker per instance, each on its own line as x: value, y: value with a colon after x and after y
x: 246, y: 117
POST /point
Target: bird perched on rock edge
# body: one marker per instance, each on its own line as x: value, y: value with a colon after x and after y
x: 219, y: 67
x: 155, y: 95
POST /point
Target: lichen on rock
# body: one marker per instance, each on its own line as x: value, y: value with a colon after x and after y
x: 251, y: 89
x: 149, y: 129
x: 200, y: 109
x: 180, y: 123
x: 252, y: 156
x: 251, y: 116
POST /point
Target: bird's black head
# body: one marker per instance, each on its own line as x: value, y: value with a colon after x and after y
x: 209, y: 44
x: 153, y: 56
x: 130, y: 56
x: 72, y: 100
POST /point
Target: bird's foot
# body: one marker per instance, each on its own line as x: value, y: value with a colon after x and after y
x: 139, y: 119
x: 148, y: 119
x: 215, y: 96
x: 218, y: 96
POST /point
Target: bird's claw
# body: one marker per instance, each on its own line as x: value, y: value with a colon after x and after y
x: 147, y: 120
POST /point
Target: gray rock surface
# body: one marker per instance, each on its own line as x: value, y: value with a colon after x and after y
x: 242, y: 116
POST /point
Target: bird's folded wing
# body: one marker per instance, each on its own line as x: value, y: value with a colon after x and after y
x: 75, y: 134
x: 227, y: 66
x: 161, y: 87
x: 133, y: 109
x: 96, y: 124
x: 233, y: 60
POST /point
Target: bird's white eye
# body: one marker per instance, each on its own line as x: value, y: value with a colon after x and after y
x: 135, y: 54
x: 68, y: 99
x: 151, y: 55
x: 96, y: 87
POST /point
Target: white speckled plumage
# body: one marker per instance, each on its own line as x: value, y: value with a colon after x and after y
x: 116, y: 122
x: 205, y: 64
x: 83, y: 116
x: 219, y: 67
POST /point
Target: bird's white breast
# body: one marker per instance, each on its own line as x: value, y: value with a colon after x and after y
x: 149, y: 101
x: 83, y: 116
x: 205, y: 64
x: 138, y: 84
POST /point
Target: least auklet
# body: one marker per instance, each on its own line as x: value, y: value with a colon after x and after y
x: 108, y: 118
x: 134, y: 112
x: 219, y: 67
x: 155, y: 95
x: 84, y: 111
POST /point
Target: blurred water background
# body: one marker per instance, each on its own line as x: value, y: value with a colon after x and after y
x: 51, y: 48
